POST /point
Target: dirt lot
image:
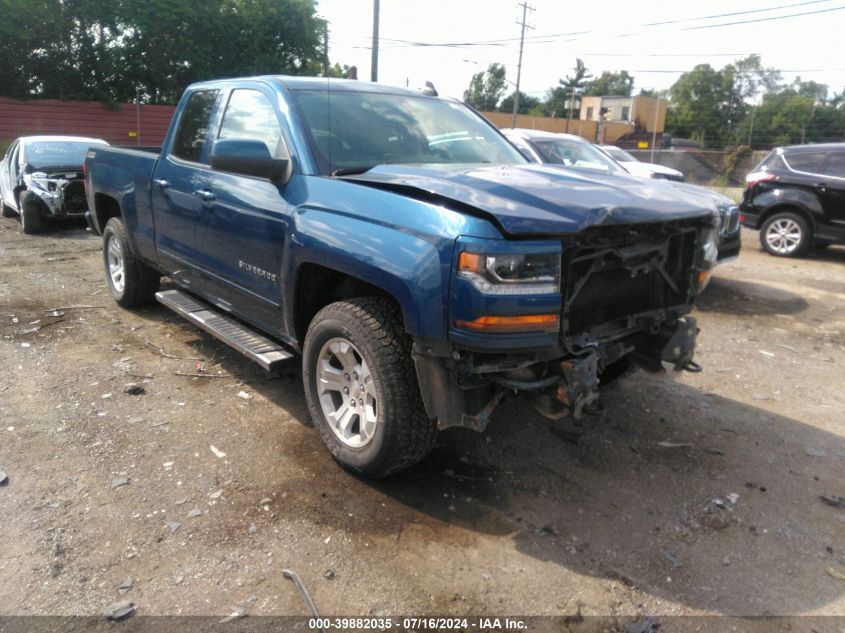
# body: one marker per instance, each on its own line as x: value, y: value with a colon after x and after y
x: 226, y: 484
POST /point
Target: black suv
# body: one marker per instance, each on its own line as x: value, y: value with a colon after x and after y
x: 796, y: 197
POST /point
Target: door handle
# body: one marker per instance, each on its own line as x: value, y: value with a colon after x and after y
x: 161, y: 182
x: 205, y: 195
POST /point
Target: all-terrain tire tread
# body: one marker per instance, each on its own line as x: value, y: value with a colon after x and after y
x: 412, y: 433
x: 140, y: 281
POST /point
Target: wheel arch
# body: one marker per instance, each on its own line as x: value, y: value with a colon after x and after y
x: 788, y: 207
x: 318, y: 285
x: 105, y: 208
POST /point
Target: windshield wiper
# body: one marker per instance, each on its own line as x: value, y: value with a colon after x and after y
x: 349, y: 171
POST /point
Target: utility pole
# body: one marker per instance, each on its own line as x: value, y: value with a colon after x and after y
x: 654, y: 130
x: 326, y: 48
x: 525, y: 9
x: 374, y: 64
x: 751, y: 127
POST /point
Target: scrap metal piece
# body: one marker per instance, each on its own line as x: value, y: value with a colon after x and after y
x: 312, y: 608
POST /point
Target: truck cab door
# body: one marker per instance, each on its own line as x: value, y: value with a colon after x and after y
x: 181, y: 174
x: 245, y: 221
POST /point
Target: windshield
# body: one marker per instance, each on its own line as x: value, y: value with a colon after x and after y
x: 620, y: 154
x: 46, y: 154
x: 576, y: 154
x: 359, y: 130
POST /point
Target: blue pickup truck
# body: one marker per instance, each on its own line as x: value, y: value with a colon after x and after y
x: 405, y: 249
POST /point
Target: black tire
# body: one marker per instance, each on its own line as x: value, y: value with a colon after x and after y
x: 794, y: 243
x: 403, y: 433
x: 139, y: 281
x: 33, y: 218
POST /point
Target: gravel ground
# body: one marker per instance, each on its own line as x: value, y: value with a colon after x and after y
x: 692, y: 494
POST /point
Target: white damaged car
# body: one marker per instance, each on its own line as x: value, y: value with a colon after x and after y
x: 41, y: 178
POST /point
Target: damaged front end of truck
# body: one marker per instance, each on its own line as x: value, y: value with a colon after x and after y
x: 575, y: 313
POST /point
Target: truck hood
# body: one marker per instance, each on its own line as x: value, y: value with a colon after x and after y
x: 538, y: 199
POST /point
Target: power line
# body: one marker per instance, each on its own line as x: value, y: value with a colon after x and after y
x: 769, y: 19
x: 733, y: 13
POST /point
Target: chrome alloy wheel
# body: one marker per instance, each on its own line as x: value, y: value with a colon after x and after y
x: 116, y: 264
x: 347, y: 392
x: 783, y: 236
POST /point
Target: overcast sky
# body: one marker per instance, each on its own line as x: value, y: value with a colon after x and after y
x: 608, y: 35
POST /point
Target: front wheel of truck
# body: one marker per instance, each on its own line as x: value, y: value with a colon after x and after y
x: 131, y: 283
x: 361, y: 387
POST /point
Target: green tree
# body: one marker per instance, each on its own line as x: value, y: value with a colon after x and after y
x: 705, y: 106
x: 751, y: 78
x: 111, y: 50
x: 527, y: 103
x: 554, y: 103
x: 617, y: 84
x: 574, y: 84
x: 812, y: 89
x: 486, y: 88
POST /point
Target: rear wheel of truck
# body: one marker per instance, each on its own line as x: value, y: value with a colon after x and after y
x: 361, y: 387
x: 131, y: 283
x: 33, y: 218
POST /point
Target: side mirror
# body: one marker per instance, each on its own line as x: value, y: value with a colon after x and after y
x: 250, y: 158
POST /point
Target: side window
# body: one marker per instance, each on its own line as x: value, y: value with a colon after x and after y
x: 250, y: 115
x: 835, y: 165
x: 193, y: 125
x: 523, y: 148
x: 805, y: 161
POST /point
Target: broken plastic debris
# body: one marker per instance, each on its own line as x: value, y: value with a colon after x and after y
x: 733, y: 498
x: 836, y: 573
x: 117, y: 482
x: 244, y: 395
x: 833, y: 500
x: 196, y: 512
x: 119, y: 610
x: 217, y: 494
x: 125, y: 586
x: 237, y: 614
x: 172, y: 525
x: 218, y: 452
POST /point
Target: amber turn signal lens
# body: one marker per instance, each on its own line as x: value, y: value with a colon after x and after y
x: 524, y: 323
x: 469, y: 262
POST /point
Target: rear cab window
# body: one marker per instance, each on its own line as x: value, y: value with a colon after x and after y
x: 189, y: 139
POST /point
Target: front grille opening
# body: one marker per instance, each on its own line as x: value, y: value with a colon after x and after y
x: 74, y: 197
x: 606, y: 284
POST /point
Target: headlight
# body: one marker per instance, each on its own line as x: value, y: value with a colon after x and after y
x: 708, y: 253
x: 511, y: 274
